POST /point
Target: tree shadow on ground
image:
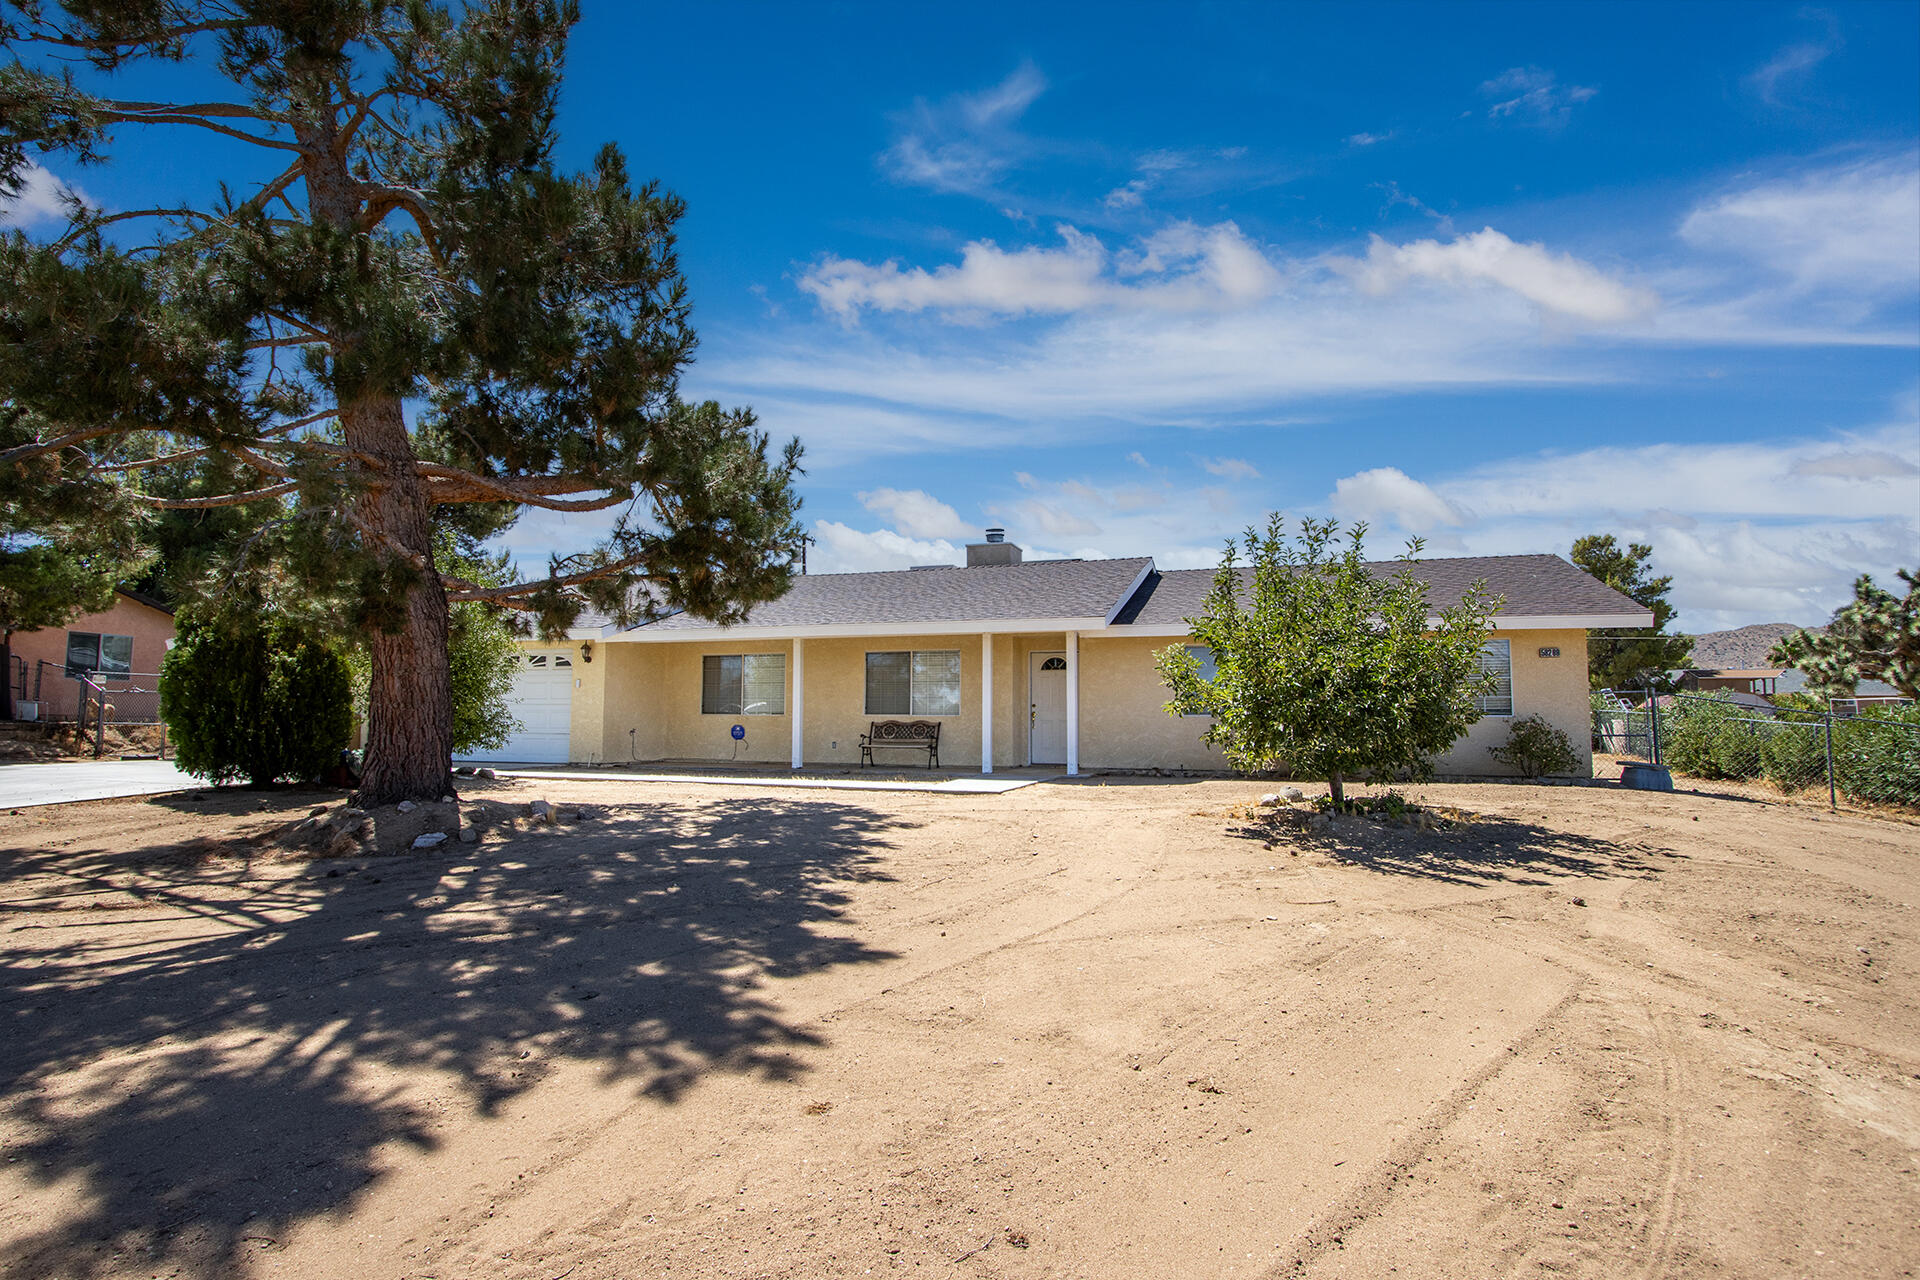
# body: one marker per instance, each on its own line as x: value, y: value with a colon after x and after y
x: 1481, y: 851
x: 210, y: 1058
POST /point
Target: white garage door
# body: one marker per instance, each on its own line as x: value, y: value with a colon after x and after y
x: 542, y: 700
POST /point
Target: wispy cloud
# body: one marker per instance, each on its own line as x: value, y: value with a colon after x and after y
x: 1229, y: 468
x: 1533, y: 95
x: 1853, y: 226
x: 964, y: 143
x: 1789, y: 69
x: 1368, y: 139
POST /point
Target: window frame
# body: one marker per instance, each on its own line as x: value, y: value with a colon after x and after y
x: 914, y: 684
x: 1487, y: 703
x: 100, y: 639
x: 742, y: 682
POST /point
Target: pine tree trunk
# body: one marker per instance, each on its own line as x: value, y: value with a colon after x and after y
x: 1339, y: 792
x: 410, y: 703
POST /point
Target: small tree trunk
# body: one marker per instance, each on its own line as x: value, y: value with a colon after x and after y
x: 410, y: 702
x: 1339, y: 793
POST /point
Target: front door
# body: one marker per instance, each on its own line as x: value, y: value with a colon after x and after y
x: 1047, y: 709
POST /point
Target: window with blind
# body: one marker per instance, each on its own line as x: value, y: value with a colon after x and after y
x: 743, y: 684
x: 919, y: 682
x: 1203, y: 655
x: 1496, y: 660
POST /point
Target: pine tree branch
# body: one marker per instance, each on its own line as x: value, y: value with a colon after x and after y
x: 506, y: 596
x: 38, y: 447
x: 114, y: 116
x: 221, y: 500
x: 458, y: 485
x: 47, y: 34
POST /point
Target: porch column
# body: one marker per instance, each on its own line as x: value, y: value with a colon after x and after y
x: 1073, y: 703
x: 986, y: 704
x: 799, y: 702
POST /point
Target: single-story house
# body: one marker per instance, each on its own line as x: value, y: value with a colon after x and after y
x: 127, y: 640
x: 1047, y: 662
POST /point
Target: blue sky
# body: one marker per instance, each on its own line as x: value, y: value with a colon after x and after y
x: 1123, y: 278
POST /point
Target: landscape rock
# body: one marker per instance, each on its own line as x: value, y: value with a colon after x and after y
x: 447, y: 799
x: 1271, y: 800
x: 430, y: 840
x: 468, y: 835
x: 406, y: 806
x: 1293, y: 793
x: 485, y: 773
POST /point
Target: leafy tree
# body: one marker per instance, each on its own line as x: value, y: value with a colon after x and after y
x: 1327, y: 665
x: 1641, y: 657
x: 1874, y: 636
x: 263, y: 701
x: 395, y: 305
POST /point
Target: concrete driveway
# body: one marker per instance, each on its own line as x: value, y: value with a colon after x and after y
x: 24, y: 785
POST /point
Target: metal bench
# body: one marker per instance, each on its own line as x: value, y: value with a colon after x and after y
x: 915, y: 735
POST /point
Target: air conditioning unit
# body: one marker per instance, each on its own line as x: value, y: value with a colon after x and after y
x: 26, y: 710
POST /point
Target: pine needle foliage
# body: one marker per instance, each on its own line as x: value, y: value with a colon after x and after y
x: 396, y: 305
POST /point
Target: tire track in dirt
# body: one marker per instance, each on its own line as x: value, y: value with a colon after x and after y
x: 1378, y: 1189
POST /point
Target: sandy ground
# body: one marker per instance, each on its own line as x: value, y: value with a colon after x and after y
x: 1073, y: 1031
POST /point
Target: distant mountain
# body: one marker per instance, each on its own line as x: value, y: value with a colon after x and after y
x: 1742, y: 649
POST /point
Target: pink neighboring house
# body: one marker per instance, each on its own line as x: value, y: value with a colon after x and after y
x: 129, y: 638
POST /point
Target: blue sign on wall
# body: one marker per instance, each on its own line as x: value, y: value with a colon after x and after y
x: 739, y: 732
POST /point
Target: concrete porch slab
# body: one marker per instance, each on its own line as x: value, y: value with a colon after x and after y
x: 832, y: 778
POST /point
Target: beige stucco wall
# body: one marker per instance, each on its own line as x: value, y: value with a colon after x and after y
x: 1123, y: 719
x: 642, y: 702
x: 1553, y: 688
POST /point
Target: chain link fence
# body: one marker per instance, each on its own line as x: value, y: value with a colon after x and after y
x: 1868, y: 756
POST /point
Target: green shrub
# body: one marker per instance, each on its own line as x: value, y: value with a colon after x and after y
x: 1876, y: 756
x: 1795, y: 757
x: 1535, y: 749
x: 1705, y: 736
x: 260, y: 703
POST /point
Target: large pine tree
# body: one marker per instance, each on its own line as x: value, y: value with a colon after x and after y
x: 395, y: 305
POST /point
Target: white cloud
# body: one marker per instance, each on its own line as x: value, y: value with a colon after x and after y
x: 1139, y: 459
x: 1368, y: 139
x: 1229, y: 468
x: 1535, y: 95
x: 42, y: 199
x: 1854, y: 226
x: 1559, y: 284
x: 1181, y: 267
x: 916, y: 513
x: 840, y: 548
x: 966, y: 142
x: 1388, y: 493
x: 1862, y: 464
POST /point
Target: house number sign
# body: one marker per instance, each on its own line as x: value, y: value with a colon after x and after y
x: 739, y: 732
x: 1549, y: 653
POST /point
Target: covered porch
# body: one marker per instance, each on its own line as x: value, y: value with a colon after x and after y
x: 1003, y: 700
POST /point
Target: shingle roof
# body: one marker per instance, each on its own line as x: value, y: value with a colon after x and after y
x: 1534, y: 586
x: 1036, y: 589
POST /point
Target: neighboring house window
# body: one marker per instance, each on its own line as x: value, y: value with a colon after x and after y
x: 1496, y: 659
x: 89, y: 652
x: 1203, y: 654
x: 923, y: 682
x: 743, y: 684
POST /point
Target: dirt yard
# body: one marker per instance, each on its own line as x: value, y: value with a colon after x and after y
x: 1074, y: 1031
